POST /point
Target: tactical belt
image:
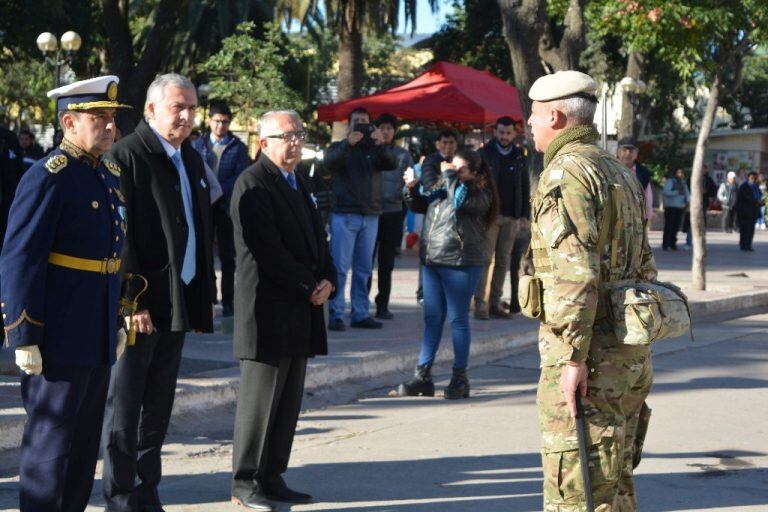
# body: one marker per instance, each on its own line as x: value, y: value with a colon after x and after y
x: 105, y: 266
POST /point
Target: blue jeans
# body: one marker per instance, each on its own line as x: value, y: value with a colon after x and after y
x: 447, y: 292
x: 353, y: 238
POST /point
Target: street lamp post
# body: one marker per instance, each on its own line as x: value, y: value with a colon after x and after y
x: 204, y: 90
x: 60, y: 53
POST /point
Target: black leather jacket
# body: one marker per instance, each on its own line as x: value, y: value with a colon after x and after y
x: 452, y: 237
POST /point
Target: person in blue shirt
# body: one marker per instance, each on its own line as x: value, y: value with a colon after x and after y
x: 676, y: 199
x: 60, y: 290
x: 227, y: 156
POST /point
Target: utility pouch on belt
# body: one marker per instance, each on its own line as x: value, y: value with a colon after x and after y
x: 645, y: 312
x: 641, y: 312
x: 529, y: 295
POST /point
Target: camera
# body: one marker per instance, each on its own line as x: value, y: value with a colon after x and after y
x: 366, y: 129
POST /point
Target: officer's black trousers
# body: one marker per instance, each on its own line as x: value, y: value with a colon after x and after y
x: 225, y: 240
x: 65, y: 407
x: 268, y: 406
x: 139, y: 405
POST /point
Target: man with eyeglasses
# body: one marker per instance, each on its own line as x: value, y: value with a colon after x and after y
x: 285, y: 275
x: 227, y: 157
x: 356, y: 163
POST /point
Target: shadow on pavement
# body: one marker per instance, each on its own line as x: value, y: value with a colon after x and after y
x: 488, y: 484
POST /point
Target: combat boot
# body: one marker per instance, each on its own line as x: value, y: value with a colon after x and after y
x: 420, y: 384
x: 459, y: 385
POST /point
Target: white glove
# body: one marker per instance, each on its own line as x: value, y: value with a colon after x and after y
x: 122, y: 340
x: 30, y: 361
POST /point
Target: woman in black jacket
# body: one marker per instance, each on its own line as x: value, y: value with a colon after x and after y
x: 458, y: 211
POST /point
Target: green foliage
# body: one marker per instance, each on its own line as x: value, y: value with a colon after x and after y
x: 689, y: 34
x: 749, y: 105
x: 378, y: 17
x: 558, y: 8
x: 388, y: 64
x: 249, y: 73
x: 23, y: 85
x: 668, y: 152
x: 473, y: 36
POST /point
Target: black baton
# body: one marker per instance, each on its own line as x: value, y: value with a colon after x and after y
x: 581, y: 429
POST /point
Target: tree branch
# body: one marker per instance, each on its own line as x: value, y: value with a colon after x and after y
x: 158, y: 43
x: 119, y: 55
x: 565, y: 53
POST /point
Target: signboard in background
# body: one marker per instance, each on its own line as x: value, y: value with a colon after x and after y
x: 740, y: 162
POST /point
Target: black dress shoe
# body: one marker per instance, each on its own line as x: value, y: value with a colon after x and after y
x: 498, y: 312
x: 384, y: 314
x: 367, y: 323
x: 254, y: 501
x: 336, y: 325
x: 277, y: 490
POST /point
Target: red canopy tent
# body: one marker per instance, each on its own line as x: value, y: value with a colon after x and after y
x: 446, y: 92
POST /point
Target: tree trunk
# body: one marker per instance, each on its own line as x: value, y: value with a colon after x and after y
x: 628, y: 126
x: 523, y: 23
x: 137, y: 73
x: 532, y: 43
x: 562, y: 48
x: 350, y: 50
x: 350, y: 79
x: 698, y: 220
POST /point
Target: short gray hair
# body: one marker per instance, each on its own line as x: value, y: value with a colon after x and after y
x: 267, y: 117
x: 577, y: 110
x: 156, y: 90
x: 62, y: 113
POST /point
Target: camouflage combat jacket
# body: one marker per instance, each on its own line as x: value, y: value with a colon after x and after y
x: 574, y: 191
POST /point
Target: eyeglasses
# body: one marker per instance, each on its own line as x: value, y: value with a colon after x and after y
x: 290, y: 136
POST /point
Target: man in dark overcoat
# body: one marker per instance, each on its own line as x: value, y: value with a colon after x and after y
x: 285, y: 275
x: 170, y: 243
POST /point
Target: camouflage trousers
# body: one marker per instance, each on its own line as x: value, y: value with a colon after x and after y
x: 616, y: 391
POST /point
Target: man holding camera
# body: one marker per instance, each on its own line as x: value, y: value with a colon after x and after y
x: 356, y: 164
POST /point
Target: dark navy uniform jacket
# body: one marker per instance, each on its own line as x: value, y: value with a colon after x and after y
x: 73, y: 208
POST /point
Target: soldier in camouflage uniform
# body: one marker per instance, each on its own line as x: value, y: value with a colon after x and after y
x: 575, y: 252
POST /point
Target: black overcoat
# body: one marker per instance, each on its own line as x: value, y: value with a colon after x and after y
x: 282, y: 253
x: 157, y: 231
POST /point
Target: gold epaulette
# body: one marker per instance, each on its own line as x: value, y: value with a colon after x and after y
x: 112, y: 167
x: 56, y: 163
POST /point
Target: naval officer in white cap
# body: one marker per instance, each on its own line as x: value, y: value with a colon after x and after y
x: 588, y: 229
x: 60, y: 289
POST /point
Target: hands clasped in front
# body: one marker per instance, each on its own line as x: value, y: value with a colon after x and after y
x: 322, y: 291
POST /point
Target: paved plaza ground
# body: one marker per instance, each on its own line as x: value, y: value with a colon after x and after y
x: 358, y: 449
